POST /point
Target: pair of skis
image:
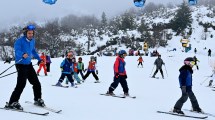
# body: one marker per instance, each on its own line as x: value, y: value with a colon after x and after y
x: 119, y: 96
x: 204, y: 115
x: 35, y: 113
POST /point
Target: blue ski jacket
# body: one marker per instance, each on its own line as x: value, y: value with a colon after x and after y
x: 67, y: 66
x: 22, y: 46
x: 185, y: 77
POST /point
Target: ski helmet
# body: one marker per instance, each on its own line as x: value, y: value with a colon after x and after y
x: 92, y: 57
x: 121, y: 52
x: 189, y: 61
x: 27, y: 28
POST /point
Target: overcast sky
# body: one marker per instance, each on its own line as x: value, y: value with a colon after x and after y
x: 20, y: 11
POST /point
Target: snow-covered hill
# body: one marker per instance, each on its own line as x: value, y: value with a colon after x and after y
x: 85, y: 103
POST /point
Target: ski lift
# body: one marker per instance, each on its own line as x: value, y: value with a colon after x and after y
x: 192, y: 2
x: 50, y: 2
x: 139, y: 3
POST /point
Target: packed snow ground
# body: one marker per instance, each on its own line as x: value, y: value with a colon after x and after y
x: 85, y: 103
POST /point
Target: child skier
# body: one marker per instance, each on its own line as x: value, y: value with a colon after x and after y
x: 120, y: 75
x: 140, y: 59
x: 66, y: 68
x: 92, y: 69
x: 80, y: 67
x: 212, y: 78
x: 42, y: 64
x: 196, y: 60
x: 185, y: 80
x: 158, y: 62
x: 75, y: 71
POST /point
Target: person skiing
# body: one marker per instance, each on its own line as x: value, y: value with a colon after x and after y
x: 80, y: 67
x: 120, y: 74
x: 48, y: 62
x: 209, y: 53
x: 185, y: 81
x: 91, y: 69
x: 158, y: 62
x: 75, y: 70
x: 24, y: 50
x: 196, y: 60
x: 195, y: 50
x: 212, y: 78
x: 66, y: 70
x: 42, y: 64
x: 140, y: 59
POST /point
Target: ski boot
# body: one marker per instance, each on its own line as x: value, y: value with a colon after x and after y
x: 175, y: 110
x: 59, y: 84
x: 39, y: 102
x: 198, y: 110
x: 210, y: 83
x: 126, y: 94
x: 14, y: 105
x: 97, y: 81
x: 110, y: 93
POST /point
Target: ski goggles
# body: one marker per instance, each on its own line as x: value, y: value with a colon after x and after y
x: 30, y: 27
x: 192, y: 63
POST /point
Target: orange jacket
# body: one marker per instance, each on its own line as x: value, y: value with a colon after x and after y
x: 92, y: 66
x: 140, y: 59
x: 43, y: 58
x: 75, y: 67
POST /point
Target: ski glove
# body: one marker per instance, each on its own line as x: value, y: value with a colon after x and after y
x: 183, y: 88
x: 38, y: 63
x: 126, y: 77
x: 61, y: 68
x: 117, y: 75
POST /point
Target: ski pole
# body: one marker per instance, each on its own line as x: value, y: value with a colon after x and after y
x: 8, y: 74
x: 166, y: 71
x: 10, y: 66
x: 12, y: 72
x: 152, y: 70
x: 204, y: 80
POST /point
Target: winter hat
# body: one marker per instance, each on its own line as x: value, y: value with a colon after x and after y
x: 189, y: 61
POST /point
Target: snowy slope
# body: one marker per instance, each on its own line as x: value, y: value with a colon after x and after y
x: 85, y: 103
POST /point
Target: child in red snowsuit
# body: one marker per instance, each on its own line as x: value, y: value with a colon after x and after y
x: 42, y: 64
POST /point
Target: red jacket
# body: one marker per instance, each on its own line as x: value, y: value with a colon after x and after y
x: 92, y: 66
x: 43, y: 58
x: 119, y: 66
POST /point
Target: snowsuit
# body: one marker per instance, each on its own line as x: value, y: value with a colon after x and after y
x: 74, y: 72
x: 25, y: 69
x: 209, y: 53
x: 48, y: 62
x: 80, y: 68
x: 67, y: 68
x: 91, y: 69
x: 185, y: 81
x: 140, y: 61
x: 42, y: 64
x: 158, y: 62
x: 196, y: 60
x: 120, y: 75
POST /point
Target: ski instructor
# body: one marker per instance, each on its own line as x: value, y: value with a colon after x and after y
x: 24, y: 49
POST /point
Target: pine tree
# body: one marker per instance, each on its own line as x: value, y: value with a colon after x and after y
x: 104, y: 21
x: 182, y: 19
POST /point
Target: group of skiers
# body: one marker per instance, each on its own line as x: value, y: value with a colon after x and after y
x: 69, y: 68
